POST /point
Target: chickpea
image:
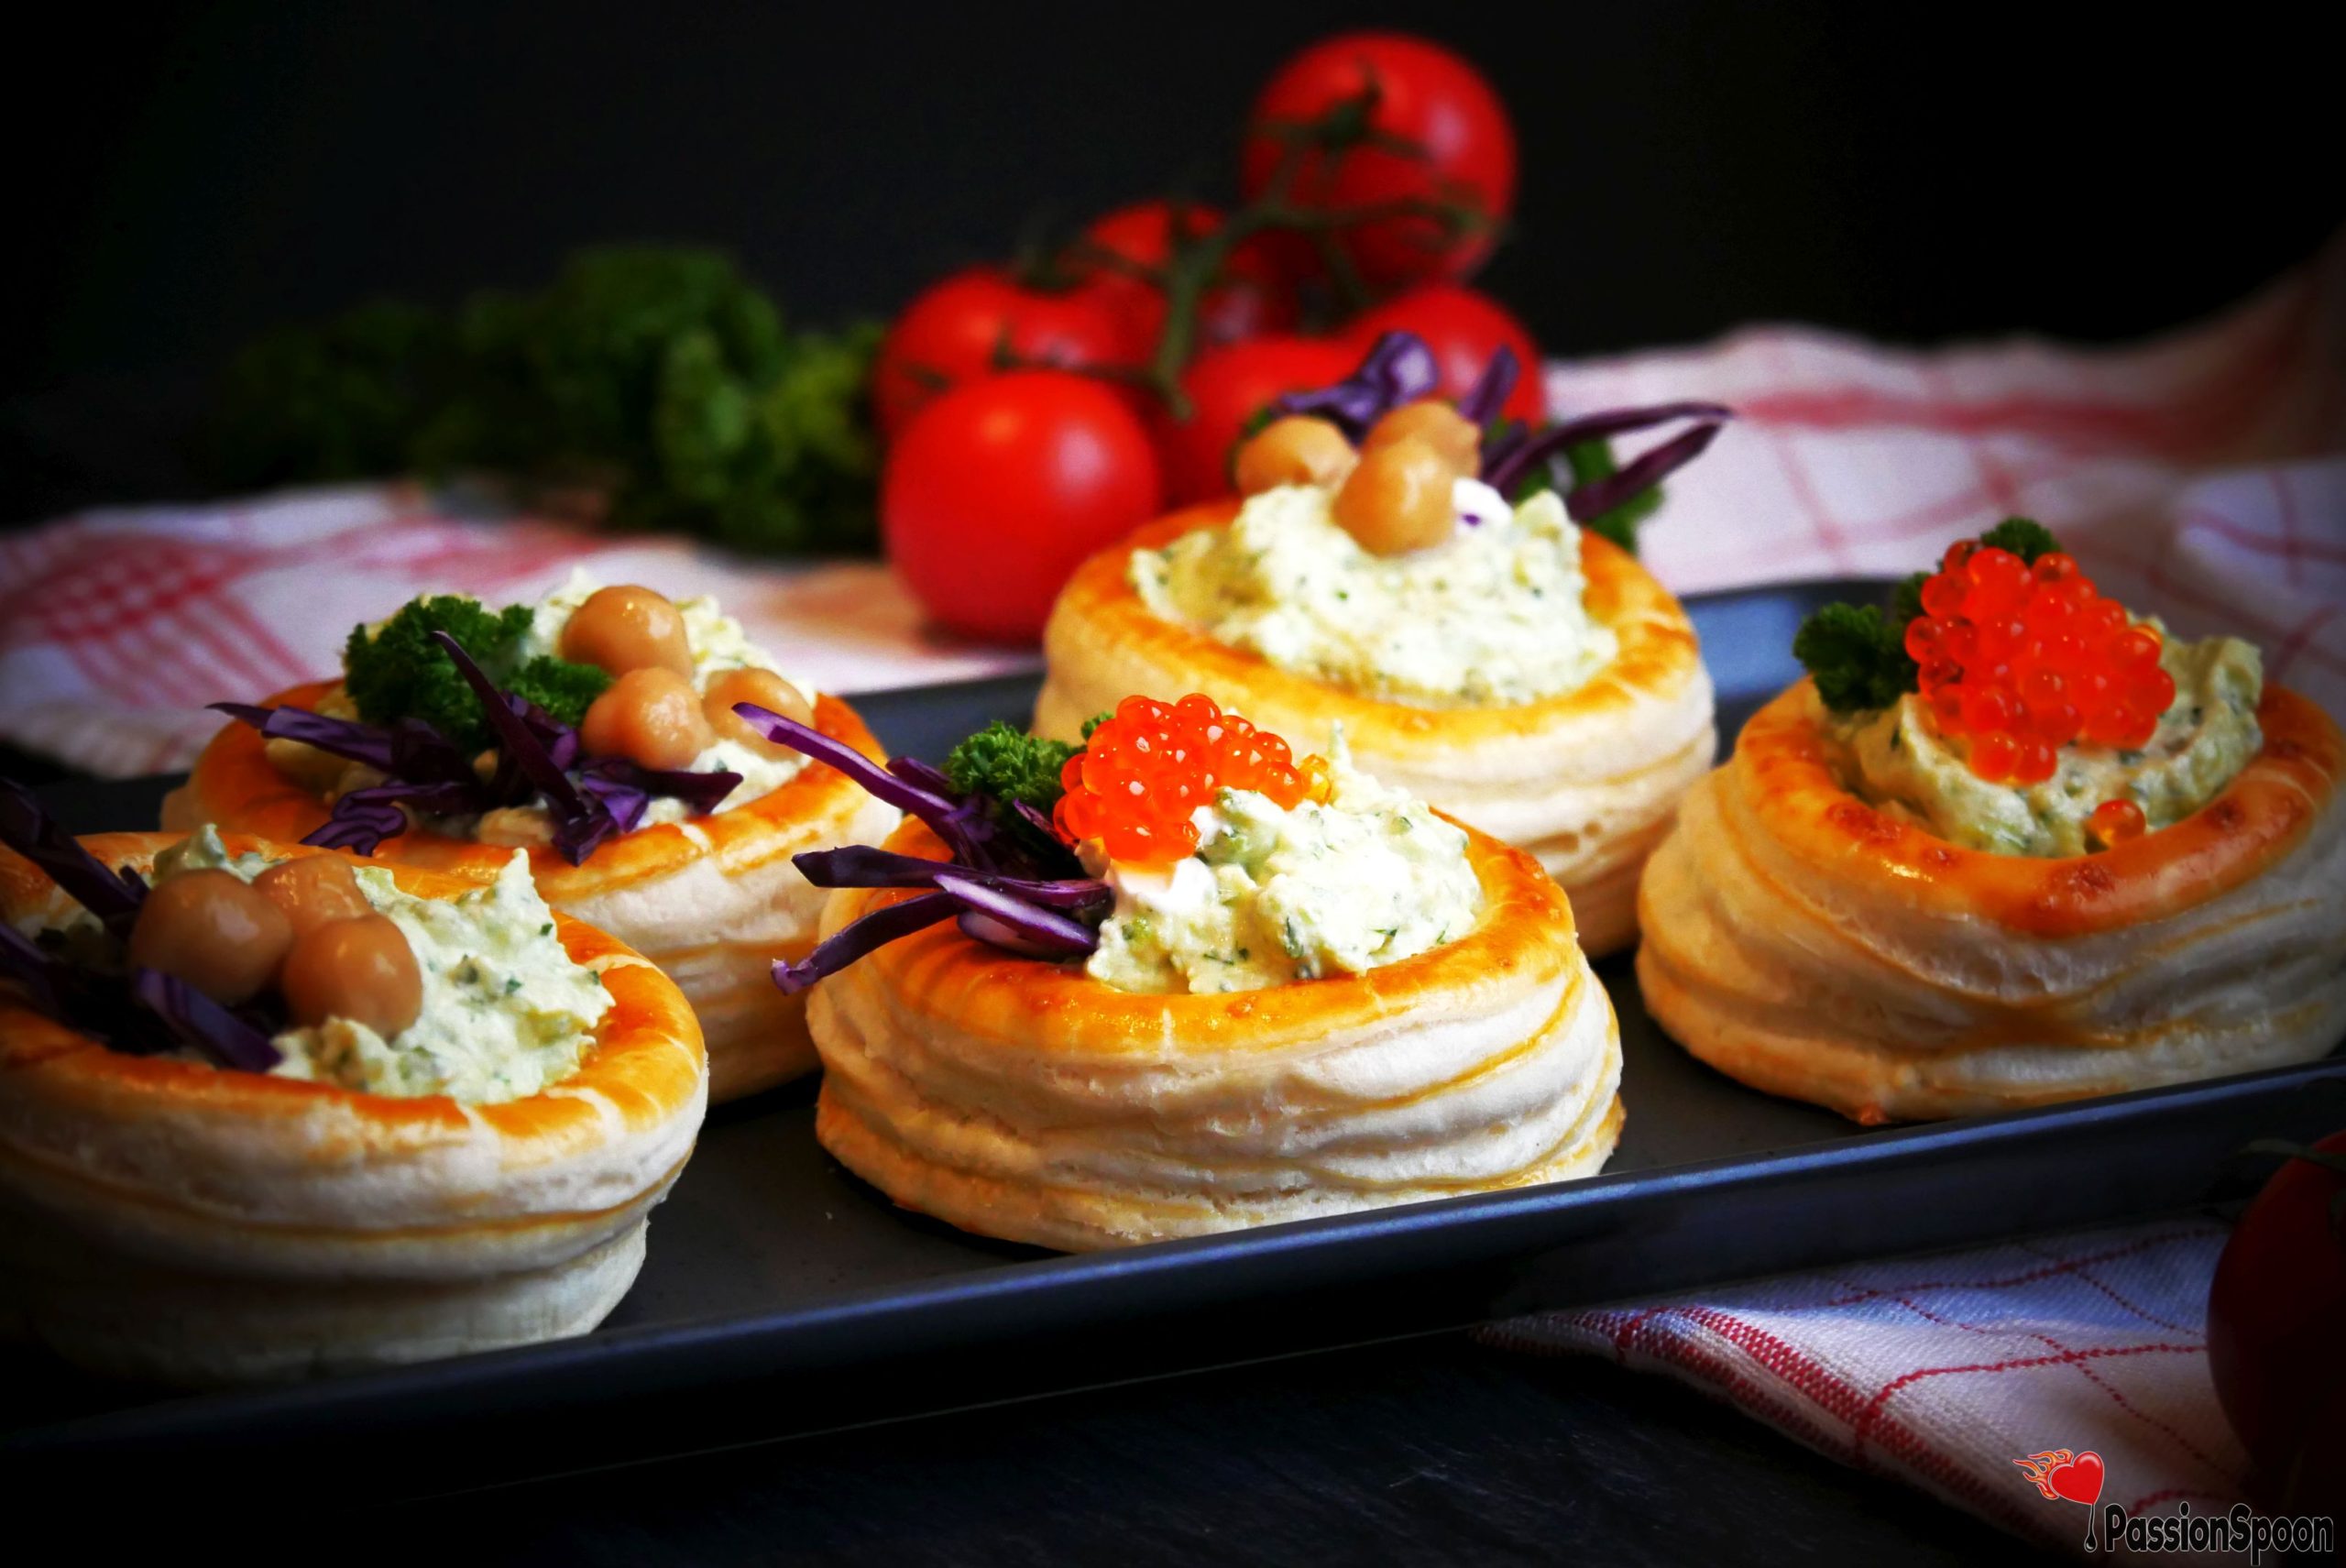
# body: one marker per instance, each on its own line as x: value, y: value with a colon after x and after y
x: 360, y: 969
x: 625, y: 629
x: 213, y: 931
x: 313, y: 890
x: 1437, y: 424
x: 1293, y: 451
x: 651, y: 716
x: 1399, y: 498
x: 766, y: 689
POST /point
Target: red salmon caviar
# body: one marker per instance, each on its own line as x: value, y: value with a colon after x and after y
x: 1151, y: 765
x: 2023, y: 659
x: 2115, y: 821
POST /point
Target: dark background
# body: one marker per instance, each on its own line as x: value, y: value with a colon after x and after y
x: 1911, y: 172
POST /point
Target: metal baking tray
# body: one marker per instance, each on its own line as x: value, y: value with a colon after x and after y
x: 782, y: 1296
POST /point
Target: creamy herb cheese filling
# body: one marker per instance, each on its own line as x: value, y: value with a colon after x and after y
x: 1274, y: 895
x: 1496, y: 616
x: 506, y: 1011
x: 1903, y: 764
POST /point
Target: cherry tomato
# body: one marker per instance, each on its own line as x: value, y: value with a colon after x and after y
x: 1253, y: 298
x: 1463, y: 328
x: 1428, y: 96
x: 1000, y: 487
x: 2273, y: 1345
x: 1227, y: 386
x: 951, y: 334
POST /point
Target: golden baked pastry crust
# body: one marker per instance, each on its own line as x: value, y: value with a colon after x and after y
x: 1026, y: 1100
x: 1585, y: 780
x: 757, y: 1037
x: 1809, y: 943
x: 310, y: 1226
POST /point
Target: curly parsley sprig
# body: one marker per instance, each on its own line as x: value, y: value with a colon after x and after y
x: 1857, y: 653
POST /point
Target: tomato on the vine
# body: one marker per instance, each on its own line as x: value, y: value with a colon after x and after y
x: 952, y: 332
x: 1427, y: 97
x: 1227, y: 386
x: 1463, y: 327
x: 1000, y: 487
x: 1253, y: 297
x: 2274, y: 1347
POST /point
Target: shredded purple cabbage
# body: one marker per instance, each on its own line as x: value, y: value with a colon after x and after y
x: 865, y: 936
x: 921, y: 775
x: 915, y: 799
x: 527, y: 743
x: 198, y: 1021
x: 864, y: 865
x: 988, y: 884
x: 153, y: 1011
x: 1006, y: 920
x: 1647, y: 469
x: 1507, y: 469
x: 426, y: 774
x: 625, y: 789
x: 1484, y: 399
x: 114, y: 896
x: 409, y: 749
x: 1399, y: 369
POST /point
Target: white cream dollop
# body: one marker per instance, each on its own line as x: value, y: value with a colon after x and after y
x: 1496, y: 615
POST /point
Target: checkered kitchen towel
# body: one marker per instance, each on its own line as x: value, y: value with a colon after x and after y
x: 1948, y: 1372
x: 2189, y: 475
x: 117, y: 627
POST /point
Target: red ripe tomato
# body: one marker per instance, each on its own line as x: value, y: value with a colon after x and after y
x: 1429, y: 96
x: 2275, y: 1348
x: 949, y: 336
x: 1253, y: 298
x: 1463, y: 328
x: 1000, y: 487
x: 1227, y: 386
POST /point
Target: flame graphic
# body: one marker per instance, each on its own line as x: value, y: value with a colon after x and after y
x: 2038, y: 1465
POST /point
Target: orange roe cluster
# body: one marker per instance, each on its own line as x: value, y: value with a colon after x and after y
x: 1149, y: 766
x: 2023, y: 659
x: 2115, y: 821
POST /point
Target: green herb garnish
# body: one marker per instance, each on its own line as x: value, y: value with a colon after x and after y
x: 398, y: 672
x: 657, y: 379
x: 1857, y: 653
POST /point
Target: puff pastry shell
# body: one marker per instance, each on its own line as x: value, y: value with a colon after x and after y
x: 165, y: 1219
x: 1586, y: 782
x: 1810, y: 946
x: 1026, y: 1100
x: 713, y: 900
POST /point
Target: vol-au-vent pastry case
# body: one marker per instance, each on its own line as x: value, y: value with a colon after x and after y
x: 1296, y: 991
x: 698, y: 877
x: 1384, y: 572
x: 236, y: 1167
x: 2008, y: 845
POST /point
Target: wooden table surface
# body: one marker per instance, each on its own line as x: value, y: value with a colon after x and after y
x: 1428, y: 1450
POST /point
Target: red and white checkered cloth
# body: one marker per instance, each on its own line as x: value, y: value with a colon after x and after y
x: 1950, y: 1369
x: 117, y: 627
x: 1946, y: 1371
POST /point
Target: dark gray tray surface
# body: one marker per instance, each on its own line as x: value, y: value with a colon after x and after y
x: 770, y: 1262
